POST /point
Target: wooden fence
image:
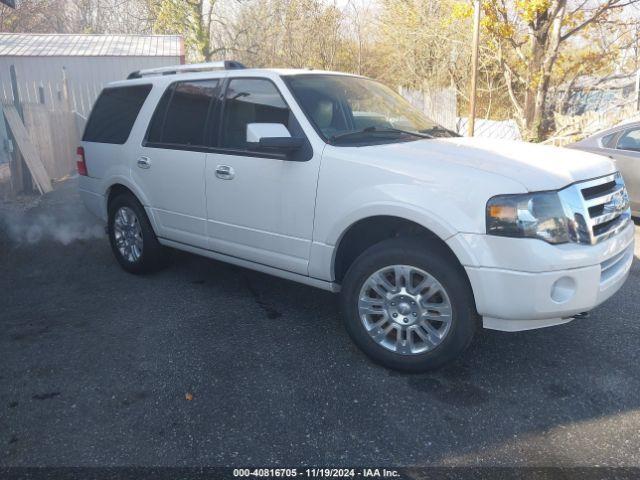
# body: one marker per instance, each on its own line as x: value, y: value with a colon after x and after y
x: 43, y: 141
x: 46, y: 139
x: 43, y: 128
x: 54, y: 134
x: 80, y: 97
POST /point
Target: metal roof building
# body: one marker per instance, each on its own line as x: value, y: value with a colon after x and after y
x: 89, y: 62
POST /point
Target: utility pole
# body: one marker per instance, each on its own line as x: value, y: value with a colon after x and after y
x: 637, y: 52
x: 474, y: 67
x: 637, y: 89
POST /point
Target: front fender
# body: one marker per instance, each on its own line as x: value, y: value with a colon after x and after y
x: 396, y: 200
x: 391, y: 208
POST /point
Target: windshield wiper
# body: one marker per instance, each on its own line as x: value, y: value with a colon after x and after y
x: 374, y: 129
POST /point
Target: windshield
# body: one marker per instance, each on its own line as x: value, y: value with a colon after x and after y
x: 358, y: 111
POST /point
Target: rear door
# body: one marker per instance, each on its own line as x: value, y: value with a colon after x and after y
x: 260, y: 206
x: 627, y: 158
x: 170, y: 166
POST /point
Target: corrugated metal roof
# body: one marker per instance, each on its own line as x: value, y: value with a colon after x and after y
x: 57, y: 45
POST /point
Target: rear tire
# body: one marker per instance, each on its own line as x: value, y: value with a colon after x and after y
x: 407, y: 303
x: 132, y: 239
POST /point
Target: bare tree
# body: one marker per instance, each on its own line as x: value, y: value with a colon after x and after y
x: 109, y: 16
x: 528, y: 43
x: 293, y: 33
x: 36, y: 16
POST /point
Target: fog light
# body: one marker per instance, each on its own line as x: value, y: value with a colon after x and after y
x: 563, y: 290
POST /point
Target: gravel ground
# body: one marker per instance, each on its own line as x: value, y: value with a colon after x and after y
x: 97, y: 366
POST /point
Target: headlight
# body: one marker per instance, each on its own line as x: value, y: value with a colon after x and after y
x: 531, y: 215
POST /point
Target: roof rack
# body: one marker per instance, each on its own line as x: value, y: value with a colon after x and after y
x: 188, y: 68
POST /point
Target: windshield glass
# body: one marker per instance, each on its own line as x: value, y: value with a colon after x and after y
x: 358, y: 111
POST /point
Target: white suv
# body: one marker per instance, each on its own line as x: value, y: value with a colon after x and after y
x: 334, y: 181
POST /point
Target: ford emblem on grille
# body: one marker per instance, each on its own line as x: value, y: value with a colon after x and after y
x: 618, y: 203
x: 597, y: 208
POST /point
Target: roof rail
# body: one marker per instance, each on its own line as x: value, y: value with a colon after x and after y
x: 188, y: 68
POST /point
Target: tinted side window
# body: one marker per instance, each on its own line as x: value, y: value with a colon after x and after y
x: 630, y: 141
x: 182, y: 112
x: 250, y: 100
x: 154, y: 134
x: 114, y: 114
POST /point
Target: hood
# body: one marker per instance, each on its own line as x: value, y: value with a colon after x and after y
x: 537, y: 167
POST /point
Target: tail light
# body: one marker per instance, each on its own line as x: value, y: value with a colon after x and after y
x: 81, y: 164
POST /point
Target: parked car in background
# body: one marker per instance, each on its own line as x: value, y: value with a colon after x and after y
x: 335, y: 181
x: 622, y: 145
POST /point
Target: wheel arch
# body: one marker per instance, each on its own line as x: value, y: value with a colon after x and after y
x: 368, y: 231
x: 121, y: 185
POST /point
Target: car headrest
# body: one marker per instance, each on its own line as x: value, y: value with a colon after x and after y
x: 322, y: 113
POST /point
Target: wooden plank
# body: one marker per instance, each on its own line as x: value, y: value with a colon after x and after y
x: 55, y: 136
x: 64, y: 131
x: 36, y: 121
x: 28, y: 150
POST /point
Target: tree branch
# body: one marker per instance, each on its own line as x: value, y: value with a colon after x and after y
x: 608, y: 5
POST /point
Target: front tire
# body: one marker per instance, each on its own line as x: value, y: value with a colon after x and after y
x: 132, y: 239
x: 408, y: 305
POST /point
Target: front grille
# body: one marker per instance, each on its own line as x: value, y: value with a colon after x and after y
x: 606, y: 205
x: 596, y: 191
x: 603, y: 228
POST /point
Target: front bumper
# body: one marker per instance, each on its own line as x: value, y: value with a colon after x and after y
x: 513, y: 291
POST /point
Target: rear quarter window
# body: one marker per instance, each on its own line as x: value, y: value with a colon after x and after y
x: 181, y: 115
x: 114, y: 114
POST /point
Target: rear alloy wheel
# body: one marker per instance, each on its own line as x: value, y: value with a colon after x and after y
x: 127, y: 234
x: 132, y: 239
x: 407, y: 303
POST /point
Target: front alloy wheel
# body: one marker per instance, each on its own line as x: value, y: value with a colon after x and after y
x: 407, y: 303
x: 404, y: 309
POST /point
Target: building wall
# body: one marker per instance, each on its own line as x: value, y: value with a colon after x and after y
x: 41, y: 77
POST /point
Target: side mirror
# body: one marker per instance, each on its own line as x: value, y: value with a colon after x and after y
x: 272, y: 137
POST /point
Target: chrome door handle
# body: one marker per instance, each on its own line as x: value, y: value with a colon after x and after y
x: 225, y: 172
x: 144, y: 162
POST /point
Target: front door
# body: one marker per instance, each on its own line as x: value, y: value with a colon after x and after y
x: 260, y: 207
x: 170, y: 166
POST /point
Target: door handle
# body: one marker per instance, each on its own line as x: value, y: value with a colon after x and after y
x: 144, y: 162
x: 225, y: 172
